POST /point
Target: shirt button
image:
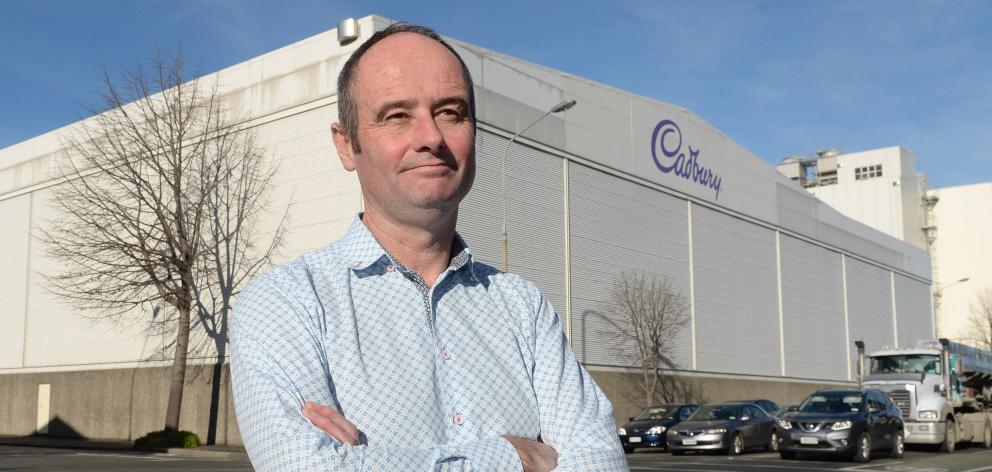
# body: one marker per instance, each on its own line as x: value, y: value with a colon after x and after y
x: 390, y: 268
x: 445, y: 354
x: 458, y: 419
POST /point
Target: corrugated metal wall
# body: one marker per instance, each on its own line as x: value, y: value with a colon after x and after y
x: 14, y: 242
x: 813, y: 311
x: 913, y: 309
x: 869, y: 305
x: 618, y: 226
x: 535, y: 213
x: 736, y: 295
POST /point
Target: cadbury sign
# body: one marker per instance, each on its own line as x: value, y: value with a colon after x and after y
x: 668, y: 154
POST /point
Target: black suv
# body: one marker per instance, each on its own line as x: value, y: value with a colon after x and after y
x: 847, y: 422
x: 650, y: 427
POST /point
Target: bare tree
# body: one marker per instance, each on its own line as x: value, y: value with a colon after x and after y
x: 161, y: 190
x: 650, y: 314
x: 981, y: 318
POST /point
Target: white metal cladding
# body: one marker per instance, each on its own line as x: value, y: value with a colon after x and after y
x: 535, y: 213
x: 55, y: 334
x: 869, y: 306
x: 736, y: 295
x: 325, y: 198
x: 813, y: 311
x: 913, y: 311
x: 14, y: 245
x: 618, y: 226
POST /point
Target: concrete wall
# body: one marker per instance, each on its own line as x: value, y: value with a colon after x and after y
x: 117, y: 404
x: 617, y: 385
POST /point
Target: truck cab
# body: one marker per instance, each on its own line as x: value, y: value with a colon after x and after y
x: 942, y: 390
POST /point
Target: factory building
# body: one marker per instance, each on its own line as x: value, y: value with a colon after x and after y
x: 778, y: 284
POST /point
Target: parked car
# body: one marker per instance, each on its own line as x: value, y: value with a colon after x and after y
x: 848, y: 422
x: 769, y: 406
x: 648, y: 428
x: 729, y: 427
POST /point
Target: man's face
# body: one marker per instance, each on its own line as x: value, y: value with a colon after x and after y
x: 415, y: 130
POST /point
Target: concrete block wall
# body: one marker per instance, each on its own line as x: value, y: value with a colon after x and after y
x: 117, y: 404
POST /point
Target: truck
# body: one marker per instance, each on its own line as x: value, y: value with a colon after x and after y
x: 942, y: 388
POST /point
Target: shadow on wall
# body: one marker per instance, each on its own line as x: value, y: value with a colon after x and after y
x: 57, y: 428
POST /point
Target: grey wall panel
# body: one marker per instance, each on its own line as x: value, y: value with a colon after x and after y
x: 617, y: 227
x: 913, y: 309
x: 535, y: 213
x: 869, y: 306
x: 736, y: 295
x: 813, y: 311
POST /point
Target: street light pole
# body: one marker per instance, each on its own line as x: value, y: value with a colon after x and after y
x: 560, y: 107
x: 938, y: 301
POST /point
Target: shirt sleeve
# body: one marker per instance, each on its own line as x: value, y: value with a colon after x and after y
x: 277, y: 363
x: 576, y: 417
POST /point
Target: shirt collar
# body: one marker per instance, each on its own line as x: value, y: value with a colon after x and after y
x: 361, y: 250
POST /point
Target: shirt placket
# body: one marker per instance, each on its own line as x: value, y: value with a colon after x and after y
x: 443, y: 355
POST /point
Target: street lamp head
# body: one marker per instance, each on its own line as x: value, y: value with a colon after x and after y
x: 964, y: 279
x: 564, y: 105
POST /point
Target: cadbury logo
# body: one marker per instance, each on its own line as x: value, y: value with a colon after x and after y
x: 666, y: 149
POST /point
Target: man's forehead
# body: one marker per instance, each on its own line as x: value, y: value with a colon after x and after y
x: 406, y: 60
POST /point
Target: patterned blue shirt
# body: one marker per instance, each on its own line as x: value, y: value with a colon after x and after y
x: 432, y: 377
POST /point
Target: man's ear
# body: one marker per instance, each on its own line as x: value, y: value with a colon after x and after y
x: 345, y: 150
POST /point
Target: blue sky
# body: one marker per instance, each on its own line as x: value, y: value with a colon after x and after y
x: 779, y: 77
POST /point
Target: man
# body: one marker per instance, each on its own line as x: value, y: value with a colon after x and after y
x: 393, y: 349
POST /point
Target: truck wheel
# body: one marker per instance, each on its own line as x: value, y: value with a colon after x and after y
x: 987, y: 443
x: 950, y: 437
x: 862, y: 451
x: 898, y: 446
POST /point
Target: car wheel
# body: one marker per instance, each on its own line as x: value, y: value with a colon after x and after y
x: 950, y: 437
x: 898, y: 446
x: 787, y: 455
x: 772, y: 442
x: 862, y: 451
x: 736, y: 444
x: 628, y: 449
x: 988, y: 436
x: 678, y: 453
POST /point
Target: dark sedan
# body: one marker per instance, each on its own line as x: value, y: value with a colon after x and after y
x: 845, y: 422
x: 729, y: 427
x: 648, y: 428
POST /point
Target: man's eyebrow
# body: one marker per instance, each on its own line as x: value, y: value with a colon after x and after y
x: 461, y: 102
x: 386, y: 107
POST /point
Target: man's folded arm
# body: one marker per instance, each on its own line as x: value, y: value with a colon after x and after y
x: 576, y: 417
x: 277, y: 364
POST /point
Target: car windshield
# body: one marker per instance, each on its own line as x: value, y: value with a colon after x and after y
x: 832, y: 403
x: 657, y: 413
x: 715, y: 412
x: 906, y: 364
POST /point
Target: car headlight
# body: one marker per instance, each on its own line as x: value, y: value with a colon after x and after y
x: 785, y: 424
x: 656, y: 430
x: 928, y: 415
x: 841, y: 425
x: 621, y: 431
x: 716, y: 431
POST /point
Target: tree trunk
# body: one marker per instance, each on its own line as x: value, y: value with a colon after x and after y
x: 178, y: 372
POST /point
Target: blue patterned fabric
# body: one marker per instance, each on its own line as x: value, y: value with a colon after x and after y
x: 432, y: 377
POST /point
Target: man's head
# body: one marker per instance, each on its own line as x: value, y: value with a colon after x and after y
x: 347, y: 108
x: 407, y: 123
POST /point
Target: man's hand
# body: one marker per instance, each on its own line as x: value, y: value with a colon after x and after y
x: 332, y: 422
x: 535, y: 456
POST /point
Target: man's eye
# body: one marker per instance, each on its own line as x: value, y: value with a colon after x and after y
x: 449, y: 114
x: 396, y: 117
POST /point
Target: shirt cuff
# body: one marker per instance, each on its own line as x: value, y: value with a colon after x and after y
x: 496, y: 454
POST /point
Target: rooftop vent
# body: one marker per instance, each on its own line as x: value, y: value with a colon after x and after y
x: 347, y: 31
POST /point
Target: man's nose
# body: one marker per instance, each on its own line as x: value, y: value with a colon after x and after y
x: 427, y: 136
